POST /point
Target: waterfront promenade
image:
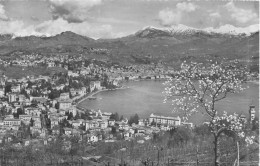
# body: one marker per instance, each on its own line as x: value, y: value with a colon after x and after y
x: 81, y: 98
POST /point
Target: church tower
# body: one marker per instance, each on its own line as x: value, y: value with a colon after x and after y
x: 252, y: 112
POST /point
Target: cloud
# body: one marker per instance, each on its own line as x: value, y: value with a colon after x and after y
x: 2, y: 13
x: 67, y: 16
x: 16, y: 27
x: 232, y: 29
x: 191, y: 14
x: 241, y: 15
x: 34, y: 18
x: 72, y: 11
x: 229, y: 14
x: 215, y: 15
x: 187, y: 7
x: 168, y: 17
x: 54, y: 27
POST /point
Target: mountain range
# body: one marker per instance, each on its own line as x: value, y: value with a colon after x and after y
x: 166, y: 45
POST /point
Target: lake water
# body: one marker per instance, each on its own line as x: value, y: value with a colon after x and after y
x: 145, y: 97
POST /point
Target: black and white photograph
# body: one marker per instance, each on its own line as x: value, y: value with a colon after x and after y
x: 129, y: 83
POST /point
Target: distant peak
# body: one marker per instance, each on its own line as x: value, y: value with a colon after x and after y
x: 68, y: 33
x: 151, y: 32
x: 71, y: 34
x: 186, y: 30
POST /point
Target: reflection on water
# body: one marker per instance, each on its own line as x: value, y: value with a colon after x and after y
x: 145, y: 97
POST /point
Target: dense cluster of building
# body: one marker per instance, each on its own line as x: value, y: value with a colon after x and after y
x: 40, y: 107
x: 41, y: 119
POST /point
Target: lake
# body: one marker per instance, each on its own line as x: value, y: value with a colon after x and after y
x: 145, y: 97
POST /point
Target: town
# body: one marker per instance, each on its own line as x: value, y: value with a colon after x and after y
x: 38, y: 109
x: 41, y: 108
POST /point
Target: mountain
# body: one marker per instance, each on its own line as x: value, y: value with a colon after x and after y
x: 5, y: 37
x: 169, y: 45
x: 151, y: 32
x: 185, y: 31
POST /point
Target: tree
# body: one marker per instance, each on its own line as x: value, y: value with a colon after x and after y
x: 3, y: 111
x: 65, y: 123
x: 77, y: 116
x: 34, y: 102
x: 24, y: 93
x: 113, y: 131
x: 70, y: 115
x: 255, y: 125
x: 57, y: 106
x: 115, y: 116
x: 48, y: 122
x: 19, y: 112
x: 74, y: 146
x: 153, y: 123
x: 54, y: 94
x: 199, y: 87
x: 133, y: 119
x: 136, y: 119
x: 31, y: 122
x: 8, y: 88
x: 82, y: 127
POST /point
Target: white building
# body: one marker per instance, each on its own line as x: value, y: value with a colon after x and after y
x: 12, y: 122
x: 2, y: 92
x: 95, y: 85
x: 12, y: 97
x: 64, y: 96
x: 164, y: 120
x: 25, y: 119
x: 252, y: 112
x: 65, y: 104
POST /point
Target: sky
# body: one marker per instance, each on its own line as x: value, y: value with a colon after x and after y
x: 117, y: 18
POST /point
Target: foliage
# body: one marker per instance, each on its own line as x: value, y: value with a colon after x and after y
x: 113, y: 130
x: 203, y: 130
x: 54, y: 94
x: 133, y: 119
x: 70, y: 115
x: 153, y: 123
x: 198, y: 88
x: 19, y: 112
x: 114, y: 116
x: 23, y: 92
x: 8, y: 88
x: 82, y: 127
x: 255, y: 125
x: 179, y: 135
x: 31, y: 122
x: 77, y: 116
x: 65, y: 123
x: 61, y: 80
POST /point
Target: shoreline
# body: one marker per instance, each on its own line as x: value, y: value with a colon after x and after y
x: 254, y: 82
x: 123, y: 87
x: 96, y: 92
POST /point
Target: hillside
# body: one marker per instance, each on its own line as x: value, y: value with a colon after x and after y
x: 148, y: 45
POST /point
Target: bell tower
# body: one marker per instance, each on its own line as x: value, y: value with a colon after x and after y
x: 252, y: 112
